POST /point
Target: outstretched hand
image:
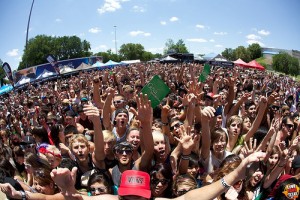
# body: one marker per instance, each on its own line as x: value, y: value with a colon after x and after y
x: 65, y: 180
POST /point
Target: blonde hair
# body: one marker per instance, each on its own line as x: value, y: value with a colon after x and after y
x: 108, y: 135
x: 78, y: 138
x: 234, y: 118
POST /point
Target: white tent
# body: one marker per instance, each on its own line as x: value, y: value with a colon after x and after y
x: 168, y: 59
x: 127, y: 62
x: 82, y: 66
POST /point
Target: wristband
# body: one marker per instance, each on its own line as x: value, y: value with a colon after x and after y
x: 225, y: 185
x: 23, y: 195
x: 185, y: 157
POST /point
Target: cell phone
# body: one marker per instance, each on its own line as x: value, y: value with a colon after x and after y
x: 218, y: 111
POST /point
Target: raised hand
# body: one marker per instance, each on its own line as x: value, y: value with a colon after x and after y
x: 92, y: 112
x: 187, y: 139
x: 145, y: 111
x: 208, y: 113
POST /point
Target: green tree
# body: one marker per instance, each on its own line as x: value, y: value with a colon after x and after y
x: 254, y: 51
x: 171, y: 47
x: 180, y: 47
x: 294, y: 68
x: 283, y: 62
x: 108, y: 55
x: 131, y: 51
x: 61, y: 47
x: 242, y: 53
x: 2, y: 73
x: 228, y: 53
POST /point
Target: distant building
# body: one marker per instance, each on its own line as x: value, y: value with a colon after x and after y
x: 268, y: 53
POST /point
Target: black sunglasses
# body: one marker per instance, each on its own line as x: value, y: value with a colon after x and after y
x: 100, y: 189
x: 162, y: 181
x: 127, y: 151
x: 177, y: 125
x: 290, y: 125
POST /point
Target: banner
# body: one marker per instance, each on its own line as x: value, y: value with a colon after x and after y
x: 8, y: 71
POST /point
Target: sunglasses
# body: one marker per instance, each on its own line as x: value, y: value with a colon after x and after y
x: 177, y: 125
x: 118, y: 101
x: 275, y: 108
x: 126, y: 151
x: 182, y: 192
x: 99, y: 189
x: 162, y: 181
x: 290, y: 126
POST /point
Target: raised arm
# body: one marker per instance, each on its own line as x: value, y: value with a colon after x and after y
x: 98, y: 155
x: 96, y: 93
x: 187, y: 142
x: 207, y: 115
x: 262, y: 107
x: 145, y: 115
x: 107, y: 109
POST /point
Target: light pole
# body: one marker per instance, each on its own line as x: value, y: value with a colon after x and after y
x: 28, y: 24
x: 28, y: 30
x: 116, y: 40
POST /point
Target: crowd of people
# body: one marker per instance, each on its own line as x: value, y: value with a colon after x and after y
x: 95, y: 136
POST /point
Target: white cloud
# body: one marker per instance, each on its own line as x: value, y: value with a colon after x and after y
x: 111, y: 6
x: 253, y: 37
x: 81, y: 34
x: 138, y: 9
x: 220, y: 33
x: 263, y: 32
x: 218, y: 45
x: 58, y: 20
x: 212, y: 40
x: 156, y: 50
x: 173, y: 19
x: 94, y: 30
x: 100, y: 47
x: 163, y: 22
x: 136, y: 33
x: 13, y: 52
x: 255, y: 41
x: 196, y: 40
x: 200, y: 26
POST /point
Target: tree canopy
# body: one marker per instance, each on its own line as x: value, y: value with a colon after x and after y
x: 65, y: 47
x: 171, y: 47
x: 252, y: 52
x: 283, y: 62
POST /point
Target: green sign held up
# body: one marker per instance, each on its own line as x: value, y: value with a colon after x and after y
x: 156, y: 90
x: 204, y: 74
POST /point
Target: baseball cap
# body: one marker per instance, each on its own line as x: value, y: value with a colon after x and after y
x: 136, y: 183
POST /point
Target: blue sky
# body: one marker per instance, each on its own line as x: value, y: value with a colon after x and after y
x: 206, y: 26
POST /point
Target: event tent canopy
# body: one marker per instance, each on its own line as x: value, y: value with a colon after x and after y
x: 110, y: 64
x: 5, y: 88
x: 168, y: 59
x: 254, y: 64
x: 219, y: 60
x: 82, y: 66
x: 240, y: 62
